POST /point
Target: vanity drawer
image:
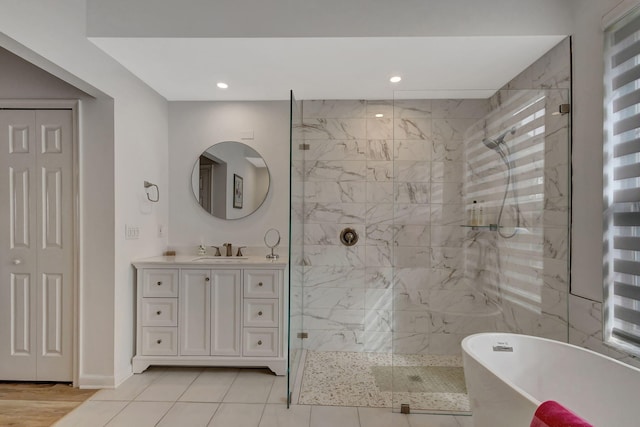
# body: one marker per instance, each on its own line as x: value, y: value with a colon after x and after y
x: 160, y: 312
x: 260, y: 342
x: 261, y: 284
x: 160, y: 341
x: 261, y: 313
x: 160, y: 282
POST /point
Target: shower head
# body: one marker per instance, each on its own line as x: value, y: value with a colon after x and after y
x: 493, y: 144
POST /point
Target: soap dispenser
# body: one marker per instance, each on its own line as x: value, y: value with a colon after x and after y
x: 473, y: 214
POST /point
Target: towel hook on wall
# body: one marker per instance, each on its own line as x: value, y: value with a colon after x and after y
x: 147, y: 185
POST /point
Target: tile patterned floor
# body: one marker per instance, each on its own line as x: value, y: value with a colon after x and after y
x: 346, y: 379
x: 223, y: 397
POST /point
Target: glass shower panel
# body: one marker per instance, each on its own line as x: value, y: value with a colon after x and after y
x: 481, y: 232
x: 296, y: 234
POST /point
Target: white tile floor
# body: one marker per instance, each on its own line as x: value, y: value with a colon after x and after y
x: 221, y: 397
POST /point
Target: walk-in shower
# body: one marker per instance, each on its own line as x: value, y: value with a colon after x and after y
x: 380, y: 323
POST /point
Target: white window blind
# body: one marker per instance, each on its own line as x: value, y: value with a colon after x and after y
x: 622, y: 183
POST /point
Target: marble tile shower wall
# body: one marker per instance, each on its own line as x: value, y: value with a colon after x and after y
x: 397, y: 180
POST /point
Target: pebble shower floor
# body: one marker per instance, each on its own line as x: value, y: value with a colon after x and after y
x: 362, y: 379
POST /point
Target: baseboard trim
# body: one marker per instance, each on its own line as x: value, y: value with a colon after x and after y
x: 96, y: 381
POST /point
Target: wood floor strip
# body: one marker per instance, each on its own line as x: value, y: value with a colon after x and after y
x: 46, y: 391
x: 25, y: 404
x: 33, y: 413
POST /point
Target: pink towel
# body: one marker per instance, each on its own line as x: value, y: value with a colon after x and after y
x: 553, y: 414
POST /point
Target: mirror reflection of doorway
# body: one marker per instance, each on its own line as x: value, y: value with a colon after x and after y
x: 205, y: 186
x: 212, y: 185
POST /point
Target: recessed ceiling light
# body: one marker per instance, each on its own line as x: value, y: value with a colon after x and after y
x: 379, y: 115
x: 222, y: 85
x: 395, y: 79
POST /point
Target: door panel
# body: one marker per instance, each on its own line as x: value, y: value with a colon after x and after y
x: 19, y: 208
x: 21, y: 316
x: 52, y: 299
x: 52, y: 204
x: 54, y: 142
x: 18, y: 298
x: 225, y: 312
x: 36, y: 219
x: 194, y: 313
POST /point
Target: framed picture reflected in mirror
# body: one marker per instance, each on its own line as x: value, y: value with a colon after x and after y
x: 237, y: 191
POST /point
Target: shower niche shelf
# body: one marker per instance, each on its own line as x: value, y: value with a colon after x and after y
x: 490, y: 227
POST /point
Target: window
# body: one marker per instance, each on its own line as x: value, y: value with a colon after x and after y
x: 622, y: 184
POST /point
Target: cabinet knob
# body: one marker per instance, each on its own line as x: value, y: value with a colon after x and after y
x: 206, y: 279
x: 260, y: 313
x: 260, y: 342
x: 159, y: 342
x: 159, y: 283
x: 159, y: 312
x: 259, y: 283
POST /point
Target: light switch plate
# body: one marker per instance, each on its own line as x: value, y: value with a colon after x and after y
x: 131, y: 232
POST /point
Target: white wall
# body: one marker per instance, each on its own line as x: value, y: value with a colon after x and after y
x: 123, y: 142
x: 193, y: 127
x: 333, y: 18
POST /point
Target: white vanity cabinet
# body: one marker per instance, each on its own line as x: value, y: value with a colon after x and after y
x: 199, y: 314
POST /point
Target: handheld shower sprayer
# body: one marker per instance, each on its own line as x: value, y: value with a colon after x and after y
x: 503, y: 151
x: 494, y: 143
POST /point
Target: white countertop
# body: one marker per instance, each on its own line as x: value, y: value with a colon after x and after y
x: 209, y: 261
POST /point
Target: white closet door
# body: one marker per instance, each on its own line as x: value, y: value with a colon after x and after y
x: 54, y: 245
x: 36, y: 214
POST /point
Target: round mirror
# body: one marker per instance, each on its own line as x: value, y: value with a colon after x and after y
x: 230, y: 180
x: 272, y: 239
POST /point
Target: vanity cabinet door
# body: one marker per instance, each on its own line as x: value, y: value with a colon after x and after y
x: 210, y: 309
x: 226, y: 305
x: 194, y: 312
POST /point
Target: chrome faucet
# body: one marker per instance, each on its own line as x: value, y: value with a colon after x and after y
x: 229, y: 249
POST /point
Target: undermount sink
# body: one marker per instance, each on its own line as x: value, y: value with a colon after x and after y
x: 218, y: 259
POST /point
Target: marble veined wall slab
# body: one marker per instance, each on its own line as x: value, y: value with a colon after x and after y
x: 398, y: 181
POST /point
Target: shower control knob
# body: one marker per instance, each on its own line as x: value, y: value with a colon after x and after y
x: 349, y: 237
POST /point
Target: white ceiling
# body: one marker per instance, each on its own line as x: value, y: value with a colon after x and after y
x: 326, y: 68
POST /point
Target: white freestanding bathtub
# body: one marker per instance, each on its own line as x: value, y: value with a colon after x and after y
x: 505, y: 387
